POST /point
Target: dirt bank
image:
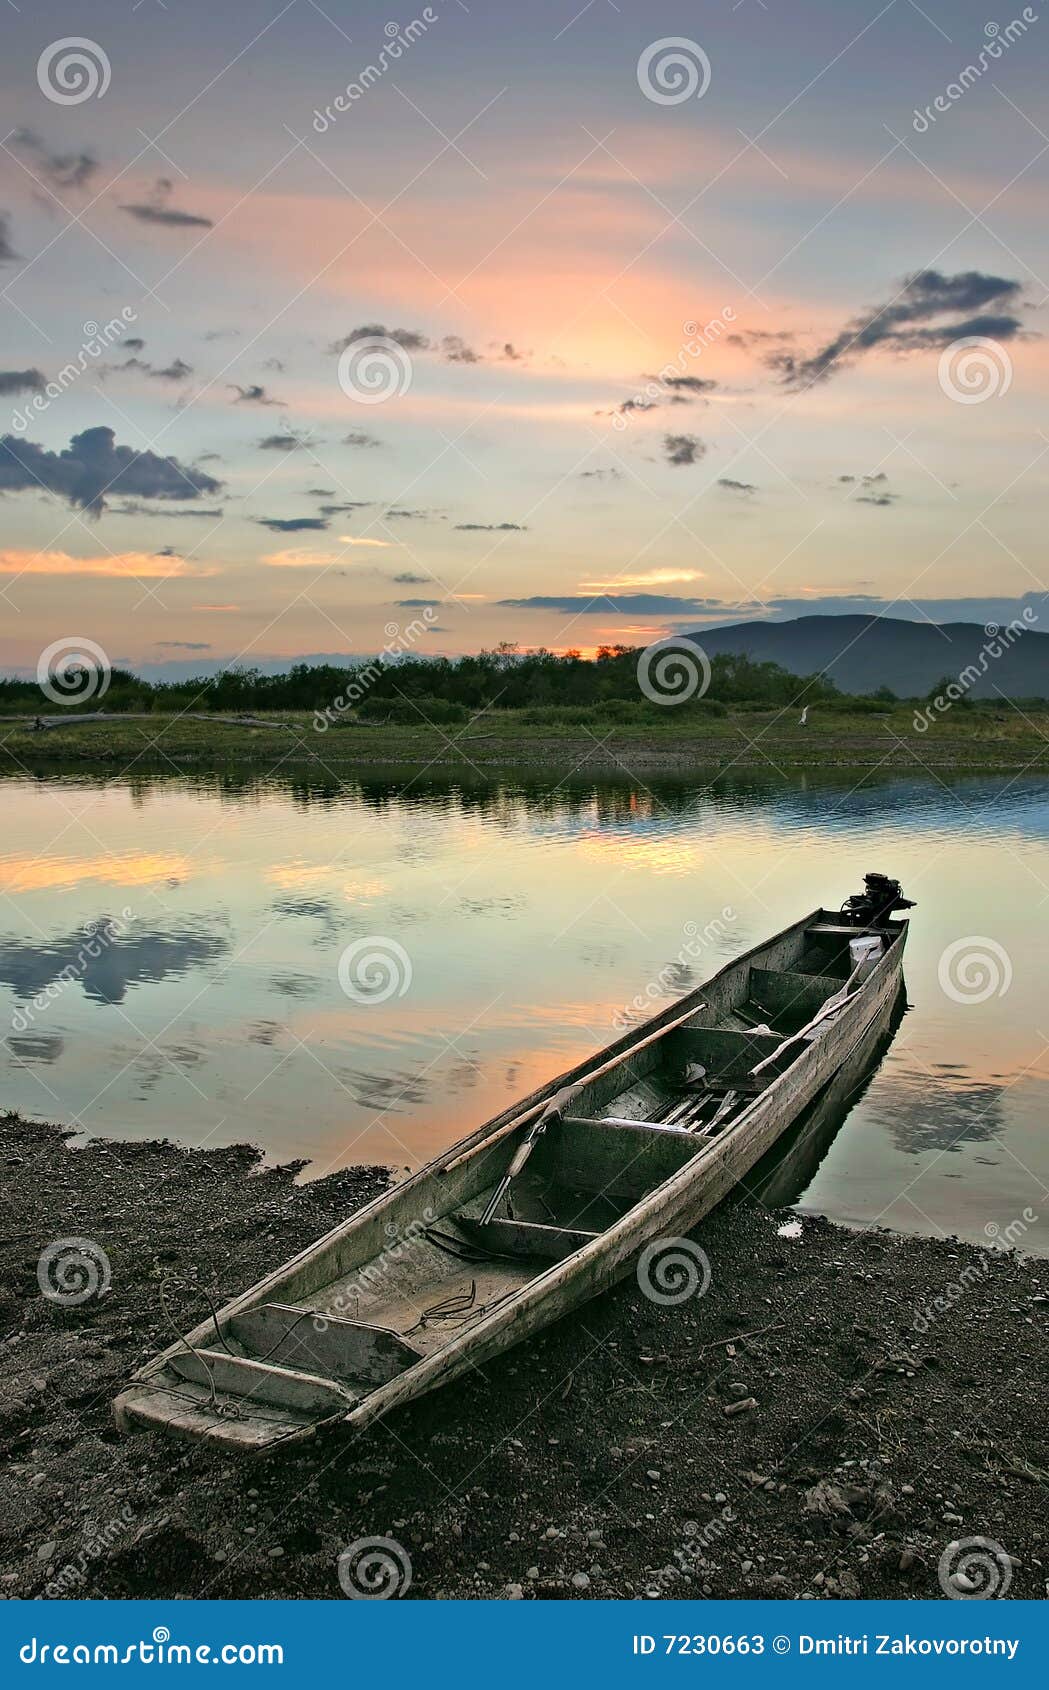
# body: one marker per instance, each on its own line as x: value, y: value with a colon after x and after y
x: 791, y: 1432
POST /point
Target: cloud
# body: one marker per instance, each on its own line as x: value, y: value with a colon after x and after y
x: 177, y: 370
x: 300, y: 557
x: 349, y: 505
x: 93, y: 465
x: 456, y: 351
x: 134, y: 345
x: 131, y: 507
x: 413, y: 340
x: 681, y: 449
x: 406, y: 515
x: 253, y: 395
x: 71, y: 172
x: 490, y: 528
x: 409, y: 580
x: 183, y: 645
x: 139, y: 566
x: 684, y: 384
x: 731, y: 486
x: 155, y: 209
x: 286, y: 442
x: 292, y: 524
x: 610, y: 474
x: 21, y: 381
x: 908, y: 323
x: 634, y: 604
x: 8, y: 255
x: 358, y: 437
x: 510, y: 353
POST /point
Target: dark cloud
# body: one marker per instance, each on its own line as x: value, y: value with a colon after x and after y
x: 409, y: 580
x: 510, y: 353
x: 681, y: 449
x: 183, y: 645
x: 93, y: 465
x: 134, y: 345
x: 685, y: 384
x: 142, y: 953
x: 490, y: 528
x: 413, y: 340
x: 736, y: 486
x: 597, y: 604
x: 155, y: 209
x: 406, y: 515
x: 636, y: 404
x: 71, y: 172
x: 8, y: 255
x: 349, y: 505
x: 357, y: 437
x: 286, y: 442
x: 610, y: 474
x: 253, y: 395
x: 908, y: 323
x: 456, y: 351
x: 277, y: 365
x: 292, y: 524
x: 760, y: 337
x: 177, y: 370
x: 21, y: 381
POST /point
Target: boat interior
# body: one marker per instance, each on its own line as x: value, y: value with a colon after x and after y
x: 427, y: 1263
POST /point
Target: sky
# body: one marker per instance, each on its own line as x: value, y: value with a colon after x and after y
x: 568, y: 324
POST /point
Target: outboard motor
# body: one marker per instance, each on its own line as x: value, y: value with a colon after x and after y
x: 878, y: 901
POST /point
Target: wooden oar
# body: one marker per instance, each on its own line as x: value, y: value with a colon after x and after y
x: 596, y: 1074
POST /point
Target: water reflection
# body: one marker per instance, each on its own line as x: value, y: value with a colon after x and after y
x: 533, y: 912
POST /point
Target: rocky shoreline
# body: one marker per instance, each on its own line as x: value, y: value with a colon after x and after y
x: 804, y: 1428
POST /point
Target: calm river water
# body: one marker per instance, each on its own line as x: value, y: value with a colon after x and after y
x: 489, y: 936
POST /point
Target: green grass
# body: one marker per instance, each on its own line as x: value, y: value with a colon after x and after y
x: 558, y: 738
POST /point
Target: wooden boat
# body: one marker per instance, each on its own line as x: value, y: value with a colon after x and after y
x: 540, y: 1209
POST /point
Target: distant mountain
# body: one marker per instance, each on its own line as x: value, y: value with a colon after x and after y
x: 862, y: 653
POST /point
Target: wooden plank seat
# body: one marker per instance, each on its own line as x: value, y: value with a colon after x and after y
x: 239, y: 1376
x: 316, y: 1341
x: 525, y: 1238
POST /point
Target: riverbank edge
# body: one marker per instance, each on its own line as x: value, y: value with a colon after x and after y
x: 600, y: 1460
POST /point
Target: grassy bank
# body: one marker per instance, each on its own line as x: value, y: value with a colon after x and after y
x: 773, y: 740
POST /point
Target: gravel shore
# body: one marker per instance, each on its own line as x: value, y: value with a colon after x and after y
x: 802, y: 1429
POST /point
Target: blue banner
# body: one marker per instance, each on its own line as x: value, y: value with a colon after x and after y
x: 520, y: 1644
